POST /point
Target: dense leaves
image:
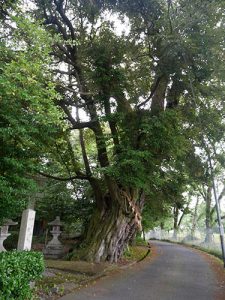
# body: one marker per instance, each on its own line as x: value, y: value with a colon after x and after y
x: 28, y: 115
x: 17, y: 270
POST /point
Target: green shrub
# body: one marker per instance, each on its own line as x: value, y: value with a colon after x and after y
x: 17, y: 270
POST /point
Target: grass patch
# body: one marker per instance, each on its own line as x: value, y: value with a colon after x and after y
x: 82, y: 267
x: 135, y: 253
x: 213, y: 252
x: 140, y: 242
x: 47, y: 286
x: 47, y: 283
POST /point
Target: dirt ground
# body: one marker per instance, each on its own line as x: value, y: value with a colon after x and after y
x: 63, y: 277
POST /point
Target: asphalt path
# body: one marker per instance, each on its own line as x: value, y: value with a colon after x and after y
x: 176, y: 273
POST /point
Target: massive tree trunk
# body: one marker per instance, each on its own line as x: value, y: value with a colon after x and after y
x: 112, y: 227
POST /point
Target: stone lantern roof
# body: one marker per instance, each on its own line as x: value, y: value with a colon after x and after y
x: 9, y: 222
x: 56, y: 222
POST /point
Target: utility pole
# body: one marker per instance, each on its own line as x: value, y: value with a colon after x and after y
x: 221, y: 229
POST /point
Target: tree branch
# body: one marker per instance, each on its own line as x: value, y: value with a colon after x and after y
x: 54, y: 21
x: 63, y: 72
x: 59, y: 7
x: 75, y: 124
x: 71, y: 178
x: 154, y: 87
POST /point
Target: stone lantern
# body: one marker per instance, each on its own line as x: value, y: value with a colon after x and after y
x: 4, y: 232
x: 54, y: 248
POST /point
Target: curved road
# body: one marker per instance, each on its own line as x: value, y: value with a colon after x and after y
x: 177, y: 273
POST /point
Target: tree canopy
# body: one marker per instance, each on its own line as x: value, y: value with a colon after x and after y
x: 122, y: 110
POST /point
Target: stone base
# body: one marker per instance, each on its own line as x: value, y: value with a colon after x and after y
x: 3, y: 237
x: 53, y: 252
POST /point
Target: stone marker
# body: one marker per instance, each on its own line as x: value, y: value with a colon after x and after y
x: 26, y: 229
x: 4, y: 232
x: 54, y: 249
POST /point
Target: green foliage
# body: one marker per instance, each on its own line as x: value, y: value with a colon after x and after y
x: 162, y: 143
x: 156, y: 213
x: 73, y: 203
x: 6, y: 7
x: 140, y: 242
x: 17, y: 270
x: 28, y: 116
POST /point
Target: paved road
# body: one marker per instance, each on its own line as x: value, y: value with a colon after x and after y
x: 177, y: 273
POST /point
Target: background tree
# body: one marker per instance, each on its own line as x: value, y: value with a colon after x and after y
x: 28, y: 116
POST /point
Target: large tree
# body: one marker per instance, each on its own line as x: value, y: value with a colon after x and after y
x: 136, y: 91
